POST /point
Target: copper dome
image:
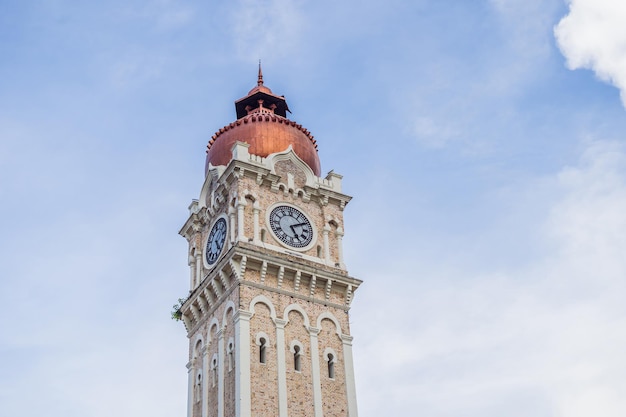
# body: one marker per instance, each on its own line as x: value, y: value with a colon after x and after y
x: 262, y: 123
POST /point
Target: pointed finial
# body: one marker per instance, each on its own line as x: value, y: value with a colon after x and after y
x: 260, y: 80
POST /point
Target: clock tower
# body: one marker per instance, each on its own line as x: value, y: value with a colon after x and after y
x: 267, y: 312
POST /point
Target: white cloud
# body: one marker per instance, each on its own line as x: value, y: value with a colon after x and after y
x: 593, y: 36
x: 544, y: 338
x: 586, y: 275
x: 589, y: 222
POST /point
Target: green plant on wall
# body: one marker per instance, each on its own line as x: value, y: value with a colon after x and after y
x: 177, y: 314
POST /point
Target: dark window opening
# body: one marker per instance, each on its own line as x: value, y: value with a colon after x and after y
x: 331, y: 366
x: 262, y: 349
x: 297, y: 363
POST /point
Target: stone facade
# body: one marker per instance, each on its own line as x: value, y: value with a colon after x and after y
x: 268, y: 323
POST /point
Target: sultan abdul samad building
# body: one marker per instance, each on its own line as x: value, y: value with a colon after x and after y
x: 267, y: 314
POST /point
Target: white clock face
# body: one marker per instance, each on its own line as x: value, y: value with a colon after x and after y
x: 291, y: 226
x: 215, y: 242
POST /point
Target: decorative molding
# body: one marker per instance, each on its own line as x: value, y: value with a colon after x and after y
x: 312, y: 285
x: 296, y: 281
x: 236, y: 269
x: 204, y: 307
x: 216, y: 287
x: 289, y: 155
x: 296, y: 343
x: 209, y: 296
x: 223, y: 278
x: 242, y: 315
x: 329, y: 284
x: 214, y: 324
x: 263, y: 271
x: 262, y: 335
x: 195, y: 312
x: 198, y: 338
x: 330, y: 316
x: 348, y: 295
x: 264, y: 300
x: 242, y: 267
x: 229, y: 306
x: 299, y: 309
x: 331, y: 351
x: 281, y: 275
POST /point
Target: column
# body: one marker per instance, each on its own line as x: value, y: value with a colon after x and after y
x: 326, y: 244
x: 191, y: 381
x: 231, y: 227
x: 349, y: 369
x: 205, y: 380
x: 240, y: 230
x: 220, y: 372
x: 243, y: 394
x: 339, y: 235
x: 192, y: 271
x: 280, y: 365
x: 315, y: 371
x: 198, y: 268
x: 256, y: 209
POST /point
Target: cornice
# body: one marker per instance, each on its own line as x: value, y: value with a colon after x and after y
x: 230, y: 273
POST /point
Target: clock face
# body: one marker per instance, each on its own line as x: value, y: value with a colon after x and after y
x: 291, y: 226
x: 215, y: 242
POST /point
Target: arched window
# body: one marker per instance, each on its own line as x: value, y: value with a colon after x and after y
x: 297, y: 360
x: 331, y: 366
x: 214, y: 370
x: 198, y: 388
x: 229, y: 352
x: 331, y: 357
x: 197, y: 351
x: 262, y: 350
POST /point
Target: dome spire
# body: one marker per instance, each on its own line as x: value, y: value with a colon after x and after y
x: 260, y: 80
x: 261, y: 97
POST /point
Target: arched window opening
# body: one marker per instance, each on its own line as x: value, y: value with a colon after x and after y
x: 319, y: 251
x: 197, y: 350
x: 230, y: 356
x: 297, y: 362
x: 331, y: 366
x: 262, y: 235
x: 262, y: 350
x: 214, y: 371
x: 198, y: 388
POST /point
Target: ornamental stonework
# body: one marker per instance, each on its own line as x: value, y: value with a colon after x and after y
x: 267, y: 314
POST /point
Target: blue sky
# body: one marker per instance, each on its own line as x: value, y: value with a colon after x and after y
x: 483, y: 142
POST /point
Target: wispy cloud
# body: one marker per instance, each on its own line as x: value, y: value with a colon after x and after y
x: 507, y: 54
x: 494, y: 336
x: 266, y: 29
